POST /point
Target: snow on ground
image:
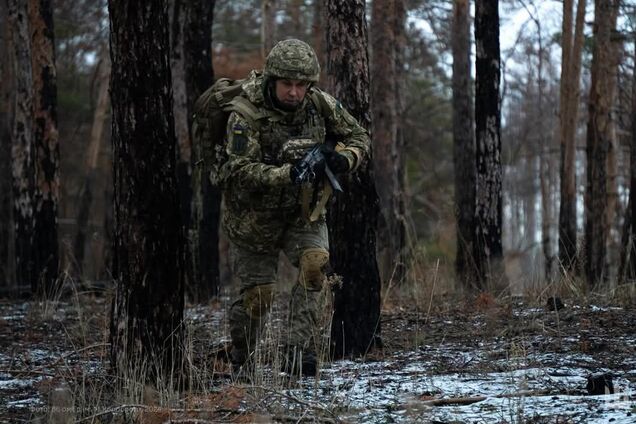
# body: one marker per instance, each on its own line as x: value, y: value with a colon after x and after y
x: 524, y: 365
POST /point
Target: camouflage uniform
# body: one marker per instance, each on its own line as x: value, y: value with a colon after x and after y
x: 263, y: 208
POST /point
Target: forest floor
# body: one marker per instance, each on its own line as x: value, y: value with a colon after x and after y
x: 483, y: 361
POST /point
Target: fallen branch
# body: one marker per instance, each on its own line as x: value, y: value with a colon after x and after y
x: 31, y: 372
x: 455, y: 401
x: 475, y: 399
x: 292, y: 419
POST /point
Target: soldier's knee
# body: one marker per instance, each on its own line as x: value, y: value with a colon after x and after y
x: 258, y: 299
x: 312, y: 268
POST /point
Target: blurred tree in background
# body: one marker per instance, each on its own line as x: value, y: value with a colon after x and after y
x: 543, y: 136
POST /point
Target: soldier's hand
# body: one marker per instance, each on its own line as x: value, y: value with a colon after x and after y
x: 337, y: 162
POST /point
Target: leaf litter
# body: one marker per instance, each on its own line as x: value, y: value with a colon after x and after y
x: 516, y: 363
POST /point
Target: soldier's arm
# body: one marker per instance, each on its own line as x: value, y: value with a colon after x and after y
x: 244, y: 166
x: 347, y: 130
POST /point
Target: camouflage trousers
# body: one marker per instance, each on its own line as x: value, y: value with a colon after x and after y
x: 306, y: 245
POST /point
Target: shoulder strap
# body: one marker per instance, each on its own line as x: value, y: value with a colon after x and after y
x: 319, y: 101
x: 250, y: 112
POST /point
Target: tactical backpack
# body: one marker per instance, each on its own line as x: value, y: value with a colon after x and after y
x: 211, y: 112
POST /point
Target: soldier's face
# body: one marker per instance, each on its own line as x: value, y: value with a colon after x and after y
x: 291, y: 92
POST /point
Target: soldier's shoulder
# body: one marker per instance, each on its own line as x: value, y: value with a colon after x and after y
x: 237, y: 119
x: 327, y: 104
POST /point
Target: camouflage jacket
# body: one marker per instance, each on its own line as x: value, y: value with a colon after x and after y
x: 262, y: 144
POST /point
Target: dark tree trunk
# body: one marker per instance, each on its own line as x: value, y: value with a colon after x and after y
x: 97, y: 131
x: 7, y: 277
x: 627, y: 270
x: 199, y: 75
x: 22, y: 152
x: 598, y: 141
x: 177, y: 16
x: 488, y: 251
x: 463, y: 143
x: 353, y: 218
x: 47, y: 151
x: 384, y: 131
x: 147, y: 257
x: 572, y: 45
x: 385, y: 96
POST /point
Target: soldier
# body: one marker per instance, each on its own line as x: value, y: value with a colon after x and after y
x: 278, y: 119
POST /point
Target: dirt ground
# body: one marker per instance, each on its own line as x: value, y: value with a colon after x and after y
x: 478, y: 361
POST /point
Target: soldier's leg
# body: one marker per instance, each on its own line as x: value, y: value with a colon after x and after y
x: 256, y: 273
x: 307, y: 247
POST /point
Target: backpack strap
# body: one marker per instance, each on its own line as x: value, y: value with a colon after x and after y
x: 250, y: 112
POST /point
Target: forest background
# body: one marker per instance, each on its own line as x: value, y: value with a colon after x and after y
x: 531, y: 80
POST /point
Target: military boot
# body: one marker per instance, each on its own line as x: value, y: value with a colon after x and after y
x: 298, y: 362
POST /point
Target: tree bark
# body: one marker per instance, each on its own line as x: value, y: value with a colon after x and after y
x: 384, y: 107
x: 627, y: 270
x: 22, y: 149
x: 353, y: 220
x: 463, y: 143
x: 598, y: 141
x: 401, y: 246
x: 488, y: 251
x: 296, y: 15
x: 268, y: 25
x: 572, y: 47
x: 47, y: 150
x: 199, y: 75
x: 7, y: 75
x: 318, y: 30
x: 148, y: 306
x: 97, y: 132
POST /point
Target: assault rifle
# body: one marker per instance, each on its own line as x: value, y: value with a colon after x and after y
x: 312, y: 166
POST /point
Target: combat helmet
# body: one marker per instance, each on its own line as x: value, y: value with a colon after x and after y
x: 292, y: 59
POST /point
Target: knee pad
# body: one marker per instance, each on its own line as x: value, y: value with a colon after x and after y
x: 257, y: 300
x: 312, y: 264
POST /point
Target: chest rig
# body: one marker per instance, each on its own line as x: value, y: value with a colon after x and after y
x: 285, y: 138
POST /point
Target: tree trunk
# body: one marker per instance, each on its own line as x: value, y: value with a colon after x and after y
x: 386, y: 162
x: 177, y: 16
x: 296, y: 16
x: 199, y: 75
x: 598, y: 141
x: 544, y: 168
x: 463, y: 143
x: 268, y: 25
x: 400, y: 197
x: 627, y: 270
x: 97, y: 131
x: 147, y: 264
x: 318, y: 39
x: 570, y: 76
x: 47, y: 150
x: 353, y: 219
x: 7, y: 75
x: 488, y: 251
x: 22, y: 149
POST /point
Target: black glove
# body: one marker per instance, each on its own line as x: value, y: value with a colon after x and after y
x: 337, y: 162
